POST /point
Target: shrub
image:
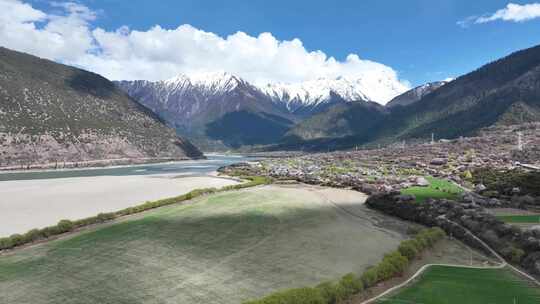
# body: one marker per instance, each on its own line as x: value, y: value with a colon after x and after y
x: 65, y: 226
x: 33, y: 235
x: 17, y: 239
x: 50, y: 231
x: 408, y: 249
x: 331, y: 292
x: 393, y: 264
x: 421, y: 243
x: 6, y: 243
x: 104, y: 217
x: 397, y: 260
x: 438, y: 233
x: 385, y: 271
x: 351, y: 284
x: 426, y: 239
x: 370, y: 277
x: 304, y: 295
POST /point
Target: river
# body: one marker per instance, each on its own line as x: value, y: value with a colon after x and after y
x: 36, y: 199
x: 191, y: 167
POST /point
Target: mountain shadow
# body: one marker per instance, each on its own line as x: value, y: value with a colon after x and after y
x: 240, y: 128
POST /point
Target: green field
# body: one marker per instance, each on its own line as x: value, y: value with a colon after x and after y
x: 450, y: 285
x: 438, y: 188
x: 223, y: 248
x: 525, y: 219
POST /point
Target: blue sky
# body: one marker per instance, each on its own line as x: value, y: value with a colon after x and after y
x: 419, y: 39
x: 386, y: 45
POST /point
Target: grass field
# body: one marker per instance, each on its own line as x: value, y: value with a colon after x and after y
x: 520, y: 218
x: 438, y: 188
x: 449, y: 285
x: 223, y: 248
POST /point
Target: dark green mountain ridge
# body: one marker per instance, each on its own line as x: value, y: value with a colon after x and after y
x: 506, y: 91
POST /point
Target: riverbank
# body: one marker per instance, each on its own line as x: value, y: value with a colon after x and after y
x: 32, y: 204
x: 89, y: 164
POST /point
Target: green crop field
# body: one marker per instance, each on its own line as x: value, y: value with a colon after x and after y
x: 438, y: 188
x: 534, y: 218
x: 450, y: 285
x: 223, y: 248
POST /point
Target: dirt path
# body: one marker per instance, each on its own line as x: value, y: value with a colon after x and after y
x: 501, y: 264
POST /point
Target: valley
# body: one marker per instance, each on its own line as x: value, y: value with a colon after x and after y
x: 143, y: 163
x: 220, y: 111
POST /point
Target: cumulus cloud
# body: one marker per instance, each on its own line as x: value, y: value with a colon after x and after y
x: 512, y: 12
x: 159, y: 53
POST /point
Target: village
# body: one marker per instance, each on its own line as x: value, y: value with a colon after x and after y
x: 488, y: 184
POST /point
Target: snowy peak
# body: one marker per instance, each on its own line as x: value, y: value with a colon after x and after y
x: 212, y: 83
x: 416, y: 94
x: 309, y: 96
x: 216, y: 82
x: 427, y: 88
x: 316, y: 92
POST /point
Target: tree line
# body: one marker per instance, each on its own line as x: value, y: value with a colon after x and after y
x: 392, y: 265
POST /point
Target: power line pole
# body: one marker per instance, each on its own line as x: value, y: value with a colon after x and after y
x: 520, y: 141
x: 432, y: 138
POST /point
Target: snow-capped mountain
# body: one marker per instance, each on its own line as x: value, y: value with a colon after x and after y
x: 213, y: 107
x: 306, y: 97
x: 209, y: 84
x: 313, y: 93
x: 205, y: 104
x: 416, y: 93
x: 185, y: 97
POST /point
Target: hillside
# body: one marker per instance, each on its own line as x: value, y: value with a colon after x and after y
x: 415, y: 94
x: 215, y: 110
x: 55, y: 113
x: 222, y: 111
x: 340, y: 121
x: 506, y: 91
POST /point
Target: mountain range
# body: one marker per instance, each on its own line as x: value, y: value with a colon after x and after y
x: 341, y: 113
x: 506, y: 91
x: 52, y: 113
x: 219, y: 110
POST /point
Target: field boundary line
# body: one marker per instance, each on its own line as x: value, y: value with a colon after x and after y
x: 420, y: 271
x: 501, y: 265
x: 364, y: 220
x: 528, y: 276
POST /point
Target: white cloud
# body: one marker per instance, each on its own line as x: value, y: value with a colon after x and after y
x: 159, y: 53
x: 60, y: 37
x: 512, y: 12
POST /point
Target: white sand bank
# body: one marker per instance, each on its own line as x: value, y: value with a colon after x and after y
x: 28, y: 204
